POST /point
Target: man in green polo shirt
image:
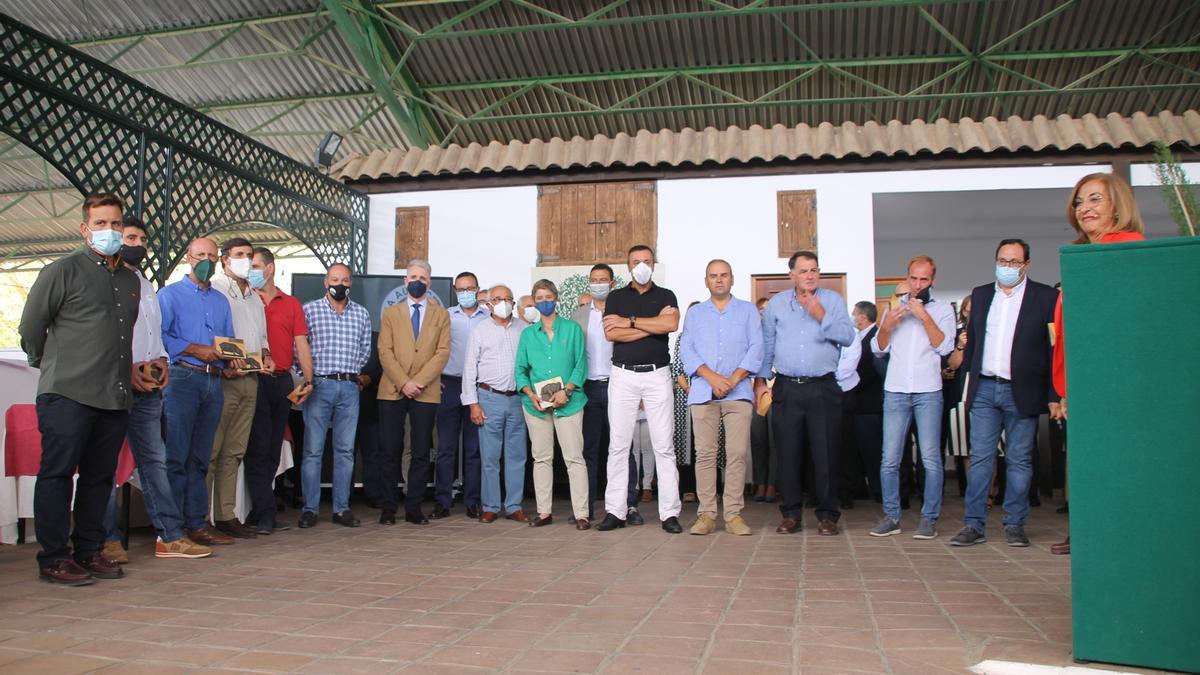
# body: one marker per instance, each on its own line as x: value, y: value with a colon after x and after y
x: 77, y: 328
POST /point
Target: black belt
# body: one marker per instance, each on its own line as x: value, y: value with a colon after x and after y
x: 487, y: 387
x: 599, y: 380
x: 827, y: 377
x: 277, y: 373
x: 997, y: 378
x: 638, y: 367
x: 452, y: 377
x: 344, y: 377
x: 206, y: 369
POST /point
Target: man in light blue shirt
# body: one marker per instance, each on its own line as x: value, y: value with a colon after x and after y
x: 804, y: 330
x: 916, y: 334
x: 193, y: 315
x: 454, y: 418
x: 722, y: 348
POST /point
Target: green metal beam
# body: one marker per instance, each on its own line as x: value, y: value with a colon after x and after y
x: 900, y: 98
x: 700, y: 71
x: 363, y: 37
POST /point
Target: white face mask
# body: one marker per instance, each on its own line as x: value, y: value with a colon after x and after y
x: 531, y: 315
x: 240, y: 267
x: 502, y: 310
x: 599, y: 291
x: 642, y: 273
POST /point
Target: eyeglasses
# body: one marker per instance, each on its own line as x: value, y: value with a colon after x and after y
x: 1092, y: 200
x: 1005, y: 262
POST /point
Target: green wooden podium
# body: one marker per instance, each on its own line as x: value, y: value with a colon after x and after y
x: 1132, y: 315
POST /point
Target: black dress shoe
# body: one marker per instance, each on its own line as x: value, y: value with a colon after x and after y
x: 473, y: 512
x: 415, y: 517
x: 264, y: 527
x: 346, y: 518
x: 610, y: 522
x: 440, y: 512
x: 634, y: 518
x: 307, y: 519
x: 671, y: 525
x: 387, y: 518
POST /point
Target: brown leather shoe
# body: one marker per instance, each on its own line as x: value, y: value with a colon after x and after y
x: 1062, y: 548
x: 827, y: 528
x: 100, y: 568
x: 541, y: 520
x: 487, y: 517
x: 66, y: 573
x: 788, y: 526
x: 518, y: 516
x: 583, y: 524
x: 114, y: 552
x: 207, y: 536
x: 235, y: 528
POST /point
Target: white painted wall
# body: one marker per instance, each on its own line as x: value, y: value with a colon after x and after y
x: 493, y: 232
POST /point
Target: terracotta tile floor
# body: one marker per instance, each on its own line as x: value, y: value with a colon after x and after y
x: 458, y: 596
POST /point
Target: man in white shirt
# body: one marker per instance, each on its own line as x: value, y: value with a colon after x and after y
x: 590, y: 317
x: 916, y: 334
x: 239, y: 385
x: 489, y: 390
x: 1007, y: 357
x: 453, y: 417
x: 144, y: 432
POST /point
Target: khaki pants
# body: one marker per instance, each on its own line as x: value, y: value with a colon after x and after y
x: 706, y: 424
x: 570, y: 439
x: 229, y: 446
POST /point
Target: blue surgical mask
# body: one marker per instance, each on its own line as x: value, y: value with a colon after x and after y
x: 257, y: 279
x: 1007, y: 276
x: 466, y: 299
x: 106, y: 242
x: 416, y: 288
x: 546, y: 307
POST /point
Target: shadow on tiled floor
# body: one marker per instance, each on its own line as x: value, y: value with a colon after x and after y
x: 459, y: 595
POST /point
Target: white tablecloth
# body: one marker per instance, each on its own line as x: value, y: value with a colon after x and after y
x: 18, y: 384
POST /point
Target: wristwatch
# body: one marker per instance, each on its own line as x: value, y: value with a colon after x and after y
x: 633, y: 322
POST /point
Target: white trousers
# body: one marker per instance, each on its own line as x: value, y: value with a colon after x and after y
x: 626, y: 389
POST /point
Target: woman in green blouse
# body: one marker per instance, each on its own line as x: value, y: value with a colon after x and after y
x: 551, y: 369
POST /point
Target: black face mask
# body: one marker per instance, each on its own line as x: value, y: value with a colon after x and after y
x: 132, y: 255
x: 339, y: 292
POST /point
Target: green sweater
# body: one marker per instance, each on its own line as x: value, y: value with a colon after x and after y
x: 539, y: 358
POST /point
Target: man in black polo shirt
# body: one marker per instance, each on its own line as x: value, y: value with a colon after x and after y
x: 637, y: 320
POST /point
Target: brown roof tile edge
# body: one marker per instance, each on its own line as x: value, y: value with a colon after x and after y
x: 676, y: 148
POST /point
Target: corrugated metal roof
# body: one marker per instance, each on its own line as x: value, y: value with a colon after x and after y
x: 736, y: 145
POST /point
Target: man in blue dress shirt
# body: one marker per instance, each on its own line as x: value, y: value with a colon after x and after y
x: 193, y: 315
x: 721, y: 348
x: 803, y: 332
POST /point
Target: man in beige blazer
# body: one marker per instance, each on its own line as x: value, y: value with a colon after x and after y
x: 414, y: 345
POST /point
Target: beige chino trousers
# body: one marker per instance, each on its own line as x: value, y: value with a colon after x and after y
x: 707, y: 419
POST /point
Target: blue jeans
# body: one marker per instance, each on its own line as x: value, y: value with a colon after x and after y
x: 332, y: 402
x: 192, y: 408
x: 503, y: 431
x: 145, y: 440
x: 993, y: 409
x: 898, y: 411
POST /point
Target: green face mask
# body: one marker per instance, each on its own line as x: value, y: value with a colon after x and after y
x: 203, y: 270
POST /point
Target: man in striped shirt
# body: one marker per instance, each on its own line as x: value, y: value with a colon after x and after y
x: 489, y: 387
x: 340, y: 332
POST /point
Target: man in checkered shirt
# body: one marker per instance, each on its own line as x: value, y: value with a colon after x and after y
x: 340, y: 332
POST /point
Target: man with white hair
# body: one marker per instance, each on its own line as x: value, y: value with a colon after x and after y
x: 414, y: 347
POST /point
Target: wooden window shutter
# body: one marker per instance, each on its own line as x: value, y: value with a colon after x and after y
x: 412, y: 235
x: 797, y: 222
x: 582, y: 224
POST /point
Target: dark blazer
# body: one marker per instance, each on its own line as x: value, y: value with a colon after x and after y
x: 869, y: 392
x: 1031, y: 351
